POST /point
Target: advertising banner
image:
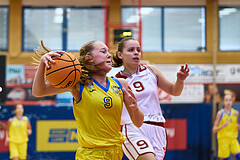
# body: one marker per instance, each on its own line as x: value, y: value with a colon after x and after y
x: 203, y: 73
x: 56, y: 136
x: 190, y: 94
x: 176, y: 134
x: 19, y: 79
x: 3, y: 147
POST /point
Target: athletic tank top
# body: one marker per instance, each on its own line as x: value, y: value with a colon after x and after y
x: 98, y: 114
x: 144, y: 85
x: 18, y: 130
x: 231, y: 130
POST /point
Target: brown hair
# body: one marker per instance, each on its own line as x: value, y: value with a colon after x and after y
x: 15, y: 107
x: 87, y: 68
x: 117, y: 62
x: 39, y: 52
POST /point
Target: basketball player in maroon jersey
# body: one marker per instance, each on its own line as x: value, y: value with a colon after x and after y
x: 149, y: 141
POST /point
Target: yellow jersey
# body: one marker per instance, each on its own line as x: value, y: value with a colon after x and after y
x: 98, y: 114
x: 18, y: 130
x: 231, y: 130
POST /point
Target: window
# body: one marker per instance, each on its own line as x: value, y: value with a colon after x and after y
x: 82, y: 29
x: 42, y: 24
x: 170, y: 28
x: 184, y: 29
x: 62, y: 28
x: 151, y: 34
x: 3, y: 28
x: 229, y: 29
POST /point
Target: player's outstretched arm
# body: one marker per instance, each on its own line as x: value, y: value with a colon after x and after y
x: 176, y: 88
x: 130, y: 102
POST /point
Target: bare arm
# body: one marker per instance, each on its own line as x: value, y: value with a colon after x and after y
x: 29, y: 130
x: 130, y: 102
x: 238, y: 125
x: 169, y: 87
x: 40, y: 88
x: 217, y: 128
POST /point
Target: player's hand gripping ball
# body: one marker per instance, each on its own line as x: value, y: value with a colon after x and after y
x: 65, y: 72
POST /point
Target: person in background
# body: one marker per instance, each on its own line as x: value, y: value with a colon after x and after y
x: 149, y: 141
x: 98, y: 101
x: 226, y: 126
x: 17, y: 131
x: 208, y: 96
x: 2, y: 126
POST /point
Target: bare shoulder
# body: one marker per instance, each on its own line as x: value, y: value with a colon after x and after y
x: 152, y: 67
x: 219, y: 113
x: 123, y: 82
x: 155, y: 70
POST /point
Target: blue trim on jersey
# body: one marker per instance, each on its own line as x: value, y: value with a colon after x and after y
x: 80, y: 92
x: 220, y: 118
x: 224, y: 112
x: 99, y: 85
x: 228, y: 113
x: 19, y: 119
x: 117, y: 81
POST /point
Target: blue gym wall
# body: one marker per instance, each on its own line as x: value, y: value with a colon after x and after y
x: 198, y: 118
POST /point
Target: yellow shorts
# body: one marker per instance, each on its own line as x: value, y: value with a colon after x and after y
x: 18, y: 150
x: 227, y: 146
x: 109, y: 153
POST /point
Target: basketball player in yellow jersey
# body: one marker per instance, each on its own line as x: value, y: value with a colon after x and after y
x: 103, y: 113
x: 17, y: 132
x: 98, y: 102
x: 226, y: 126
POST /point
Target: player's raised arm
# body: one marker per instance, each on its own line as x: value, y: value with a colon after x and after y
x: 40, y: 88
x: 169, y: 87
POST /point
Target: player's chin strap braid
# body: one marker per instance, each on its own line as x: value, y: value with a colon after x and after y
x: 44, y: 47
x: 41, y: 51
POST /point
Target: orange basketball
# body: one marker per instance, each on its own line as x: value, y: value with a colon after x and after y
x: 65, y: 72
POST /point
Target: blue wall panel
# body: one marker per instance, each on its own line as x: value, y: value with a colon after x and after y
x: 198, y: 130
